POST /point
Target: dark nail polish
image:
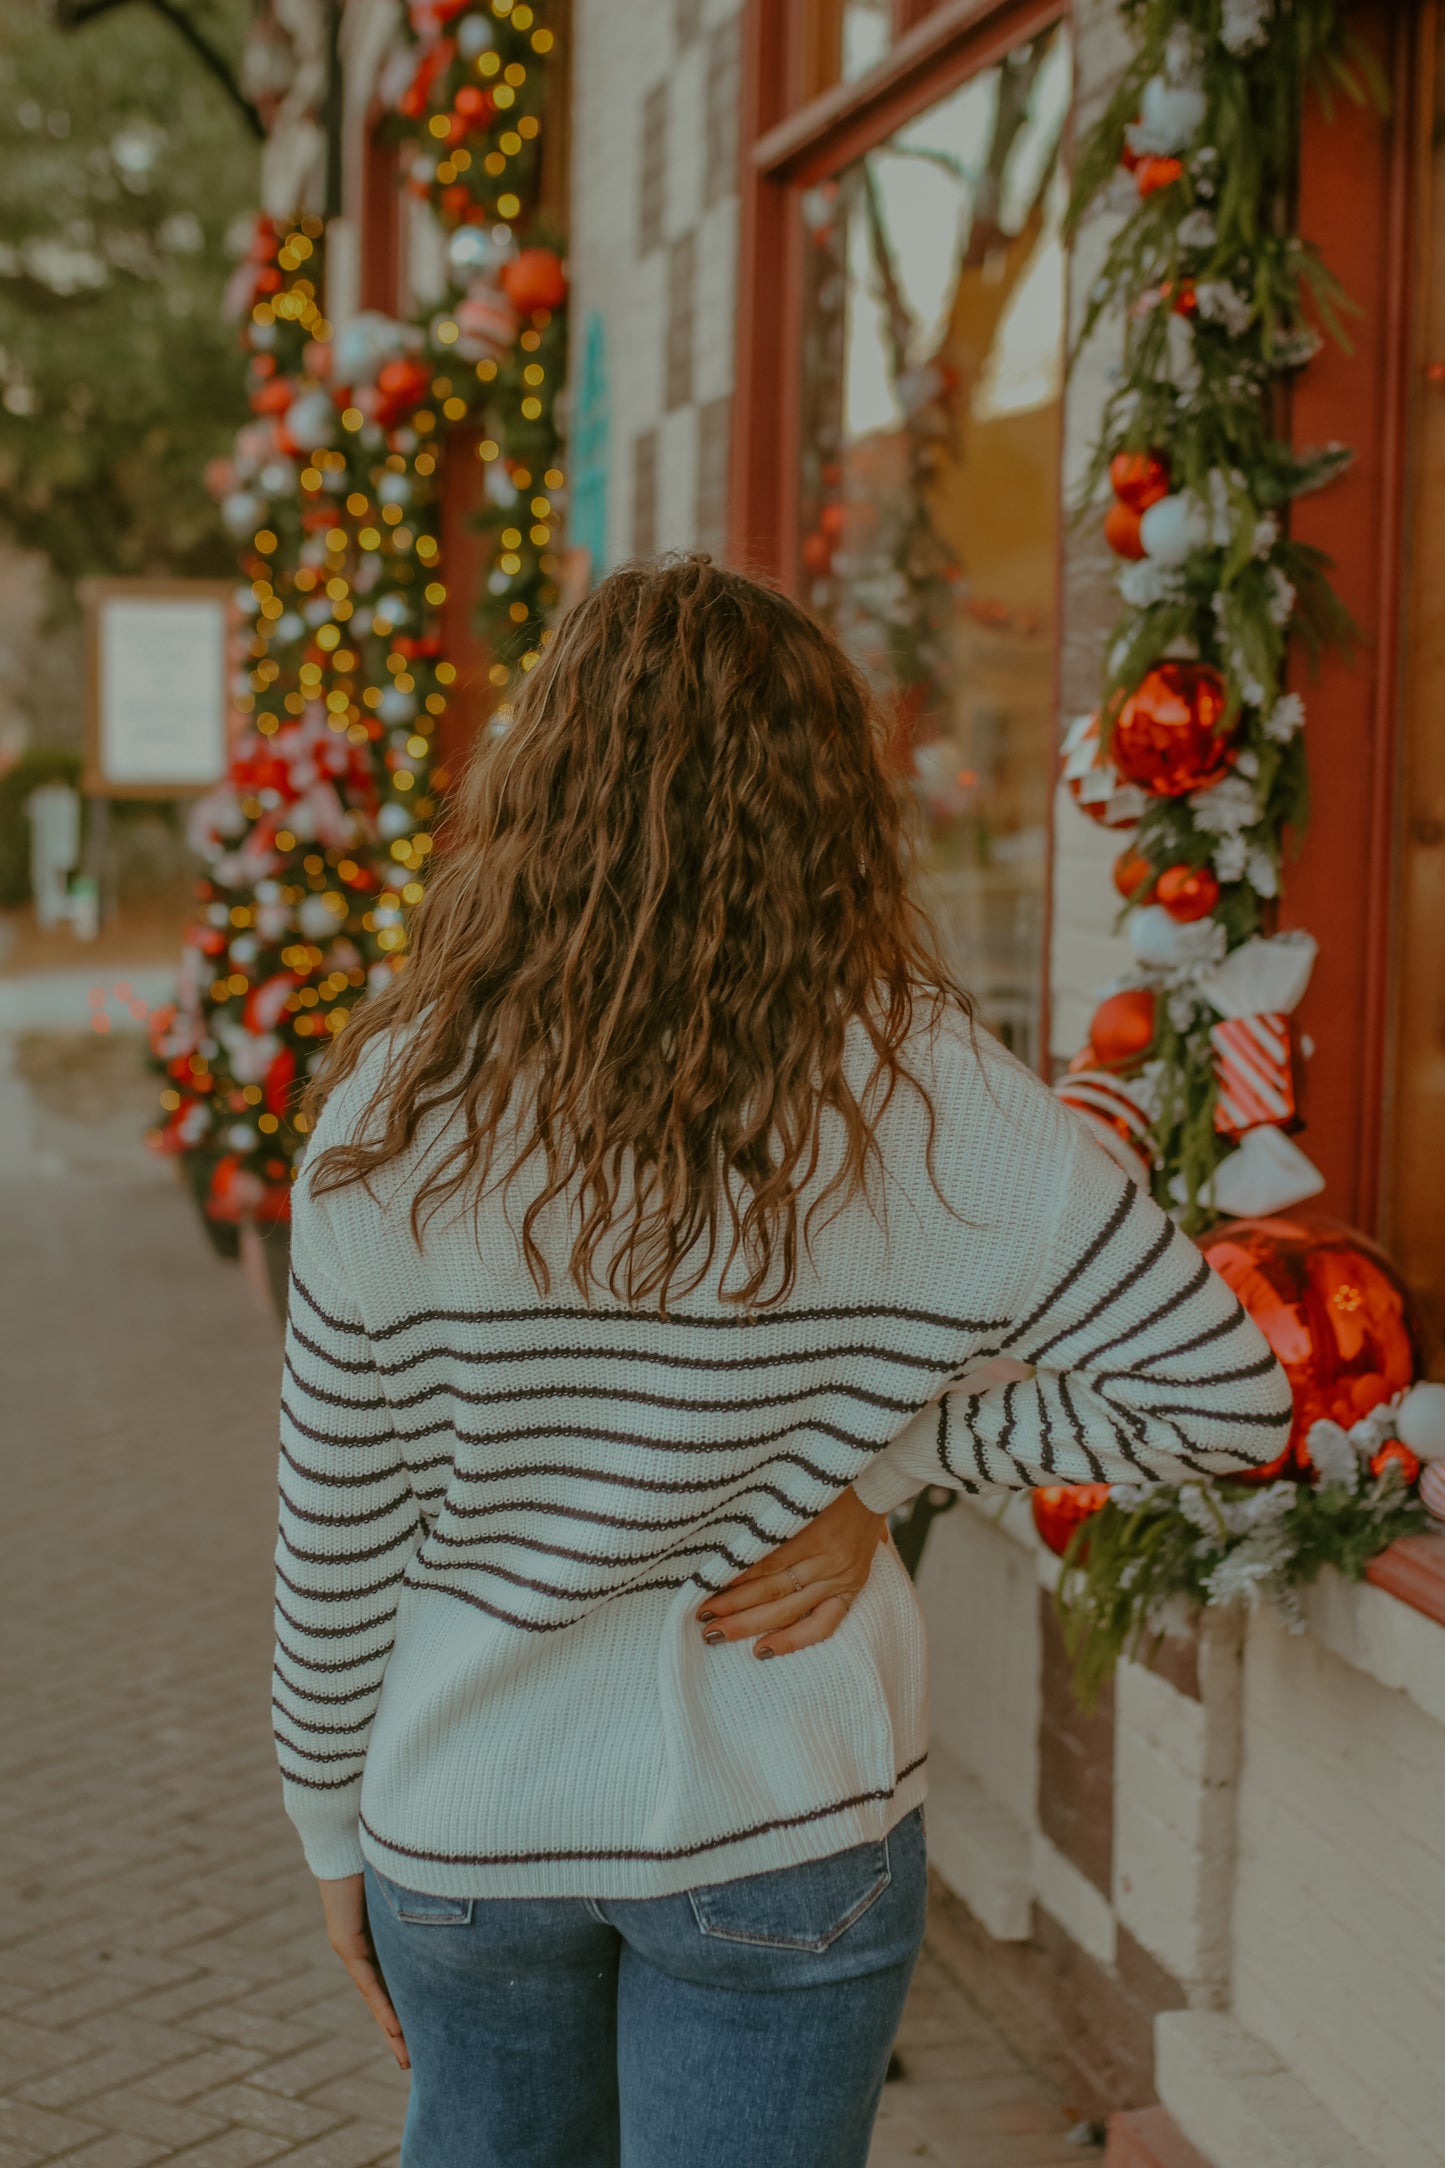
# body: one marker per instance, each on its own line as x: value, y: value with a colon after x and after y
x: 714, y: 1637
x: 705, y: 1616
x: 764, y: 1654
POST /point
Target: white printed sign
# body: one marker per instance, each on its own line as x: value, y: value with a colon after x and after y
x: 159, y: 688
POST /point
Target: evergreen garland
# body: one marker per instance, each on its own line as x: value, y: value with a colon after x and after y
x: 316, y: 845
x: 1132, y: 1565
x: 1220, y: 302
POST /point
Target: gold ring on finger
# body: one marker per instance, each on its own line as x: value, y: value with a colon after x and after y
x: 793, y: 1577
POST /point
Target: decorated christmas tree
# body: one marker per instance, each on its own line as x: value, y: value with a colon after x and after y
x: 317, y: 843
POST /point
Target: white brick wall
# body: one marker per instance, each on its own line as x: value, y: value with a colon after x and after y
x: 1176, y: 1761
x: 1340, y: 1900
x: 980, y: 1597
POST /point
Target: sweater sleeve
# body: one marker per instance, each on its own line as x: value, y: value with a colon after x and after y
x: 349, y: 1526
x: 1131, y: 1362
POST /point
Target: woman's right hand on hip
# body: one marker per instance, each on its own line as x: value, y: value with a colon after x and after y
x: 800, y: 1593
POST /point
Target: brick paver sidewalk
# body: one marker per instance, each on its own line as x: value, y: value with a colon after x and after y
x: 166, y: 1992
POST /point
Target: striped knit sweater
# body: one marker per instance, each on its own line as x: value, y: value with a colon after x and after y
x: 500, y: 1511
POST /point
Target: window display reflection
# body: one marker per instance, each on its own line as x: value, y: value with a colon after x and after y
x: 933, y: 371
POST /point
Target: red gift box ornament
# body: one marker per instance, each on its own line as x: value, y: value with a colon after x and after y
x: 1256, y: 989
x: 1254, y: 1069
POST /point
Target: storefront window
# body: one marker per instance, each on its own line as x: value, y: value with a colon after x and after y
x: 844, y: 39
x: 933, y: 370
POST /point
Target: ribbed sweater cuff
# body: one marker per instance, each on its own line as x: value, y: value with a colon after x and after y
x: 882, y: 1488
x: 331, y: 1842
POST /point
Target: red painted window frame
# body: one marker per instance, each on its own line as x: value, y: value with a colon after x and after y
x: 786, y: 145
x: 1355, y: 201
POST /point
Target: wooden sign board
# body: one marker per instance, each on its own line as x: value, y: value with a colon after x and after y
x: 157, y: 670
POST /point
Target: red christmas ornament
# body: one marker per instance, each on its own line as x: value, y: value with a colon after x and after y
x: 234, y: 1193
x: 1121, y: 530
x: 1168, y: 738
x: 475, y: 105
x: 400, y: 385
x: 1182, y: 299
x: 1060, y: 1508
x: 1122, y: 1031
x: 817, y: 552
x: 1152, y: 174
x: 1133, y: 875
x: 1334, y: 1310
x: 535, y: 279
x: 1138, y: 479
x: 274, y: 396
x: 1394, y: 1454
x: 1188, y: 892
x: 278, y: 1080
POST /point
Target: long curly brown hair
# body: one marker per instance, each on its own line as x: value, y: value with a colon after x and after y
x: 671, y: 887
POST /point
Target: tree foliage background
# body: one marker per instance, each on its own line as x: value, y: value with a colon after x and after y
x: 123, y: 170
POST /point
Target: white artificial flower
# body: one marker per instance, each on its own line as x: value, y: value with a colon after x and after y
x: 1129, y: 1495
x: 1244, y: 25
x: 1225, y: 807
x: 1183, y: 1007
x: 1247, y: 763
x: 1295, y: 348
x: 1197, y: 230
x: 1231, y: 855
x: 1221, y: 303
x: 1183, y: 57
x: 1146, y: 582
x: 1263, y: 874
x: 1266, y: 534
x: 1334, y: 1455
x: 1196, y: 1508
x: 1281, y: 596
x: 1285, y: 718
x: 1181, y: 361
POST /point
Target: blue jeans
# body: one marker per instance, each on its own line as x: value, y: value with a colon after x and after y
x: 744, y: 2022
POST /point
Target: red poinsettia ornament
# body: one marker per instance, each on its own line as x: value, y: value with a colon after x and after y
x: 1333, y: 1308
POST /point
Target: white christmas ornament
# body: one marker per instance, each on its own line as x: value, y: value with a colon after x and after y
x: 394, y: 820
x: 1170, y: 117
x: 475, y: 35
x: 315, y: 918
x: 1162, y: 943
x: 311, y: 420
x: 1170, y: 529
x: 1420, y: 1421
x: 241, y: 512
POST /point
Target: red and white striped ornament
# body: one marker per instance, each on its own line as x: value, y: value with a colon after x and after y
x: 1116, y: 1114
x: 1255, y: 1073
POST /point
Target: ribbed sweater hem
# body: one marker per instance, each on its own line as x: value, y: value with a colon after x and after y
x: 787, y: 1841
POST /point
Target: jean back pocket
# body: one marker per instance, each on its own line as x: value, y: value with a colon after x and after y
x: 796, y: 1908
x: 421, y: 1909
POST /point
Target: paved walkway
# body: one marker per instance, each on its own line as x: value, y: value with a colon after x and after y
x: 165, y: 1990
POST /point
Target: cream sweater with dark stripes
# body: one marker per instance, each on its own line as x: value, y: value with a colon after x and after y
x: 499, y: 1512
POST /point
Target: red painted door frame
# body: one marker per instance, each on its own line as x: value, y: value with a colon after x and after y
x: 1355, y: 202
